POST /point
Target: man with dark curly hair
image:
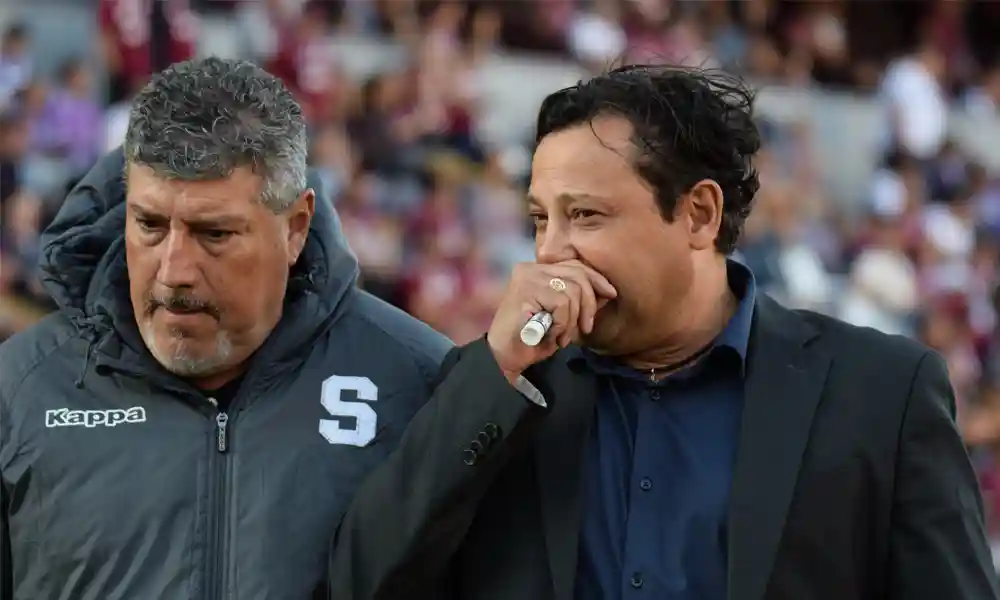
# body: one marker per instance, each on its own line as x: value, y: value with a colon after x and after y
x: 676, y: 434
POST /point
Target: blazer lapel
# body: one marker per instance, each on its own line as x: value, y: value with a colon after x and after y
x: 559, y: 447
x: 786, y: 373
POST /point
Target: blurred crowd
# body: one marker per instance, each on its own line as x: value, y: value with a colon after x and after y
x: 436, y: 215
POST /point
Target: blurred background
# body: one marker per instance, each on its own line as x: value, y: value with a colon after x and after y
x: 880, y: 196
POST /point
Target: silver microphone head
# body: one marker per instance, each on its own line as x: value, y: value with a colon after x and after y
x: 535, y: 329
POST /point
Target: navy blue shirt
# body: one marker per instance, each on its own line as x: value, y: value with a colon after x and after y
x: 659, y: 468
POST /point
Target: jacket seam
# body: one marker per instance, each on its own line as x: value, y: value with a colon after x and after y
x: 902, y: 428
x: 14, y: 389
x: 36, y: 364
x: 412, y: 349
x: 909, y: 396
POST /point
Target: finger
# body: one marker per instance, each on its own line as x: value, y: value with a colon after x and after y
x: 575, y: 292
x: 586, y: 307
x: 537, y: 279
x: 560, y: 305
x: 587, y: 297
x: 599, y: 282
x: 561, y: 323
x: 548, y: 345
x: 588, y: 310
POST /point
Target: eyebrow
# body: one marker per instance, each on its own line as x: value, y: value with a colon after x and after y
x: 209, y: 222
x: 567, y: 198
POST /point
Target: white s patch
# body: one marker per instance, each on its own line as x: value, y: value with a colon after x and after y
x: 338, y: 430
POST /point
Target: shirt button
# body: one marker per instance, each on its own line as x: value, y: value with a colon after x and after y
x: 646, y: 484
x: 636, y: 580
x: 655, y: 394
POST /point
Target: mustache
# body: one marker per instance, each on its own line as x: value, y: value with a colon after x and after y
x: 180, y: 302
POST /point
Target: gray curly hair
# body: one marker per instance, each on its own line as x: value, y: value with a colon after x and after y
x: 201, y: 119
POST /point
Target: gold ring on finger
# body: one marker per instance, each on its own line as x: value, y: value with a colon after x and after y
x: 557, y: 284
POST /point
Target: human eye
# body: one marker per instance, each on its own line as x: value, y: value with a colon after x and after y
x: 147, y: 225
x: 217, y: 235
x: 584, y: 214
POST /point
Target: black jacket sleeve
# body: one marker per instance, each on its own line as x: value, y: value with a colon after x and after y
x: 410, y: 515
x: 938, y: 545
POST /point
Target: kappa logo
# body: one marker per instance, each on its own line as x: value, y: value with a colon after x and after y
x: 64, y: 417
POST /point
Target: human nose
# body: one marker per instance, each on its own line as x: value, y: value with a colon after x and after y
x: 179, y: 261
x: 553, y: 245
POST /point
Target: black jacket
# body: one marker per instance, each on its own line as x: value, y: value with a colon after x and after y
x: 851, y: 480
x: 119, y: 481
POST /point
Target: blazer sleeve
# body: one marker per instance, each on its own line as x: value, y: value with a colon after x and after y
x: 937, y: 544
x: 410, y: 515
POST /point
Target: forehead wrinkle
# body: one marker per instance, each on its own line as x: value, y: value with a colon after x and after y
x: 179, y: 199
x: 591, y: 143
x: 579, y: 179
x: 205, y: 200
x: 576, y: 167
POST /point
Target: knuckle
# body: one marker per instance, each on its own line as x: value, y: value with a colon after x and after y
x: 581, y: 279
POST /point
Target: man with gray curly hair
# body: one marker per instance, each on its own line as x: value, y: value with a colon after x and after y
x: 195, y: 418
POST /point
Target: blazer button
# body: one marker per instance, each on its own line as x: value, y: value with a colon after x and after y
x: 469, y: 456
x: 636, y: 580
x: 493, y: 430
x: 484, y: 438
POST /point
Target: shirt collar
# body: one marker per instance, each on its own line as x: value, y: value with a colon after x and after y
x: 736, y: 335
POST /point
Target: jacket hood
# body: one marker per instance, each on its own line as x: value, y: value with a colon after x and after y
x: 83, y: 260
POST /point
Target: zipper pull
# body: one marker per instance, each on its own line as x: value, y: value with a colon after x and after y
x: 221, y: 422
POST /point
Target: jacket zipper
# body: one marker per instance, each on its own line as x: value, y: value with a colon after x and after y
x: 221, y: 432
x: 218, y: 546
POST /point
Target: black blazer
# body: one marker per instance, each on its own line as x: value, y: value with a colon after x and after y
x: 851, y: 481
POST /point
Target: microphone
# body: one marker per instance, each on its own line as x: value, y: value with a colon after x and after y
x: 535, y: 329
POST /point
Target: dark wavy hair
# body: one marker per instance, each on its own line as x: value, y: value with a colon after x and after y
x: 688, y: 124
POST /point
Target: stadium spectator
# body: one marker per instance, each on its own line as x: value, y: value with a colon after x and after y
x: 142, y: 37
x: 915, y: 102
x: 301, y: 58
x: 15, y: 62
x: 69, y: 124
